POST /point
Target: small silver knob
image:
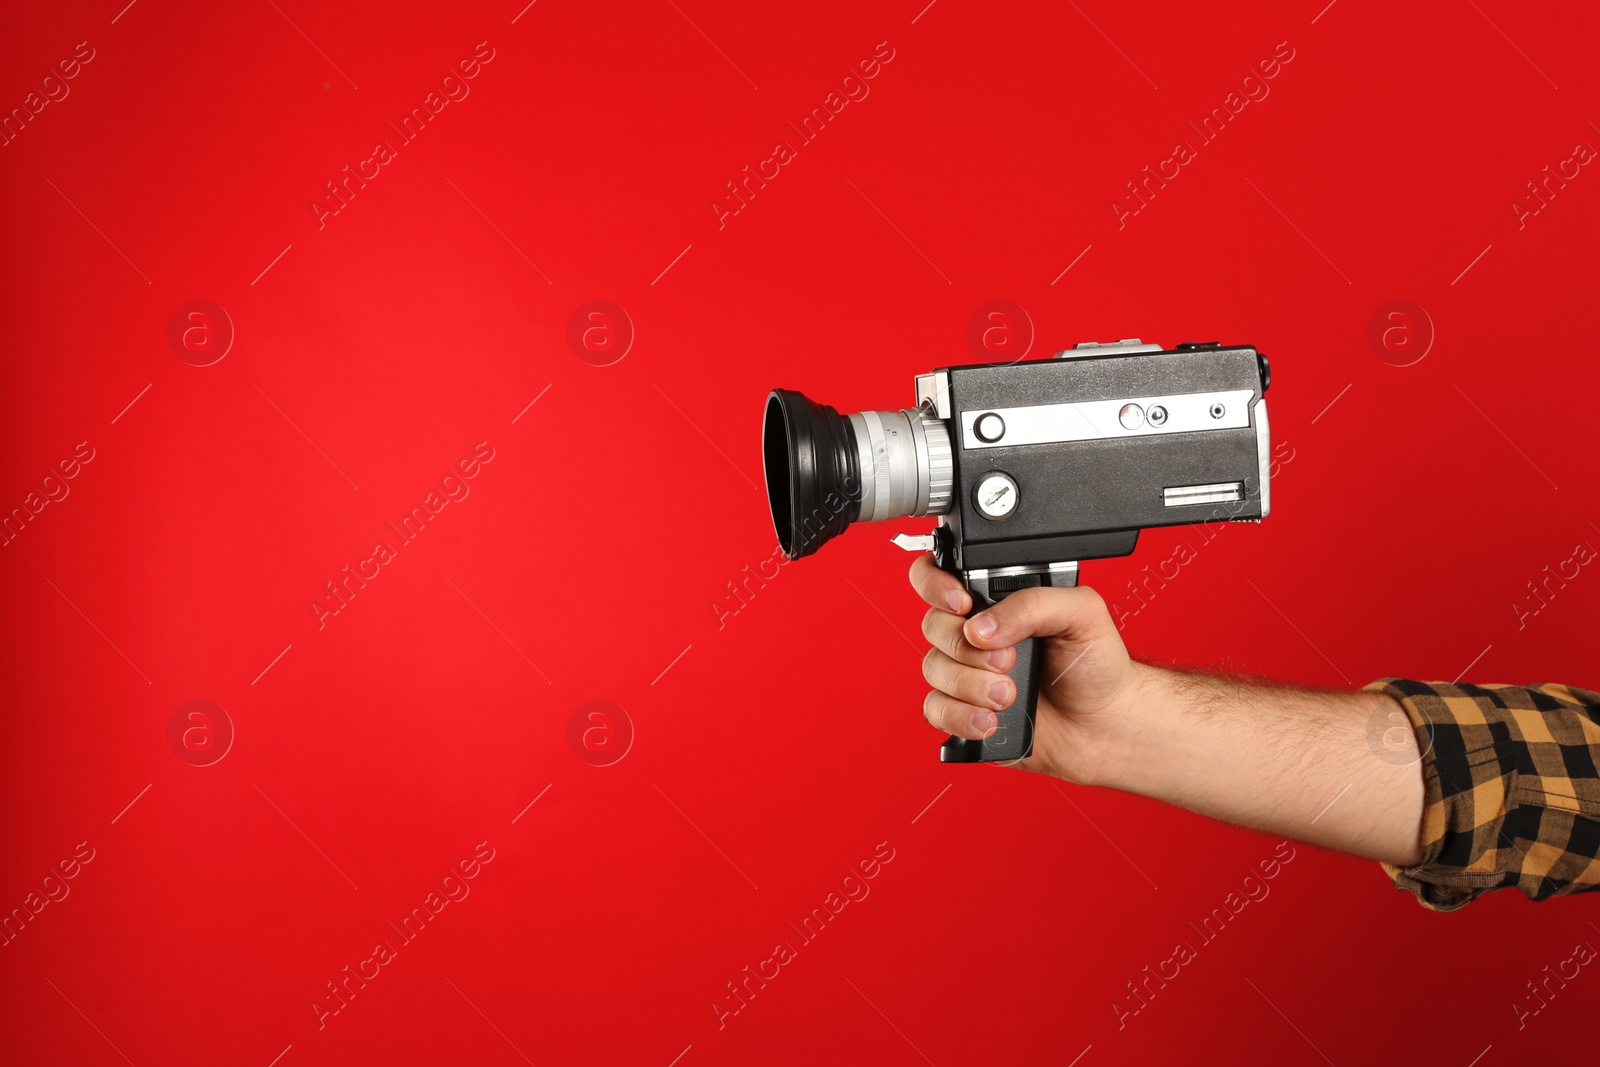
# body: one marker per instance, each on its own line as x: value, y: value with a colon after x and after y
x: 995, y: 495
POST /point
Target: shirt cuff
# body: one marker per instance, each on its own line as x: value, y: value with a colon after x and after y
x: 1511, y: 792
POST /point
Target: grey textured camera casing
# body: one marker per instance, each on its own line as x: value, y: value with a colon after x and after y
x: 1089, y: 495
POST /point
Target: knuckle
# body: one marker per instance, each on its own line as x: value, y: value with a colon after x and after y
x: 957, y: 681
x: 1025, y: 605
x: 955, y: 645
x: 930, y: 666
x: 937, y: 628
x: 946, y: 675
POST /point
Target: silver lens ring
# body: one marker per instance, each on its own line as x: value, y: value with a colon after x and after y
x: 905, y: 463
x: 873, y: 454
x: 940, y: 467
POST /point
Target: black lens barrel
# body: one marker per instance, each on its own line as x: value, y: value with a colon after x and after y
x: 813, y: 474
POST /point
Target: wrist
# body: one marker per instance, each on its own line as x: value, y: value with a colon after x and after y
x: 1123, y: 740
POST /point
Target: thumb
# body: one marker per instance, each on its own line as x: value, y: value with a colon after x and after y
x: 1077, y: 613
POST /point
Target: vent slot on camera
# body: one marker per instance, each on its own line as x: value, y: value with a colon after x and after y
x: 1215, y: 493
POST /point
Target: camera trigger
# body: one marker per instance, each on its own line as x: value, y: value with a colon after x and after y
x: 914, y: 542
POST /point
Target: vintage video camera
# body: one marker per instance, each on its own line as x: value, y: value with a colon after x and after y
x: 1031, y: 467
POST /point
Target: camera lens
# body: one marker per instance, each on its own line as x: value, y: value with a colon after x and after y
x: 813, y: 478
x: 825, y: 471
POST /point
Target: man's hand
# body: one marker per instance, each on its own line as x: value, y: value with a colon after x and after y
x: 1085, y: 684
x: 1288, y: 759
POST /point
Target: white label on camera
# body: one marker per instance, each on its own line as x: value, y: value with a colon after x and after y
x: 1092, y: 420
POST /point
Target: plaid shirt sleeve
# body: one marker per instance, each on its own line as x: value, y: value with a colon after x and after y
x: 1513, y: 794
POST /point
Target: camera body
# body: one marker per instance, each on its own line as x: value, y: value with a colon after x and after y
x: 1032, y: 467
x: 1088, y: 448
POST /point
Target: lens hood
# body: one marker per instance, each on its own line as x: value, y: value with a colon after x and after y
x: 808, y: 453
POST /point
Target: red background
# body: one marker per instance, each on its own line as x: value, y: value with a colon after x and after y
x: 772, y: 753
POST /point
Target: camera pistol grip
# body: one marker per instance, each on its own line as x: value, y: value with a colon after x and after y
x: 1013, y: 740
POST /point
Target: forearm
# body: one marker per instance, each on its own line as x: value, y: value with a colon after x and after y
x: 1459, y: 789
x: 1277, y: 758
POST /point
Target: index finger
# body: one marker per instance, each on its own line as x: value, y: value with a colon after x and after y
x: 939, y: 588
